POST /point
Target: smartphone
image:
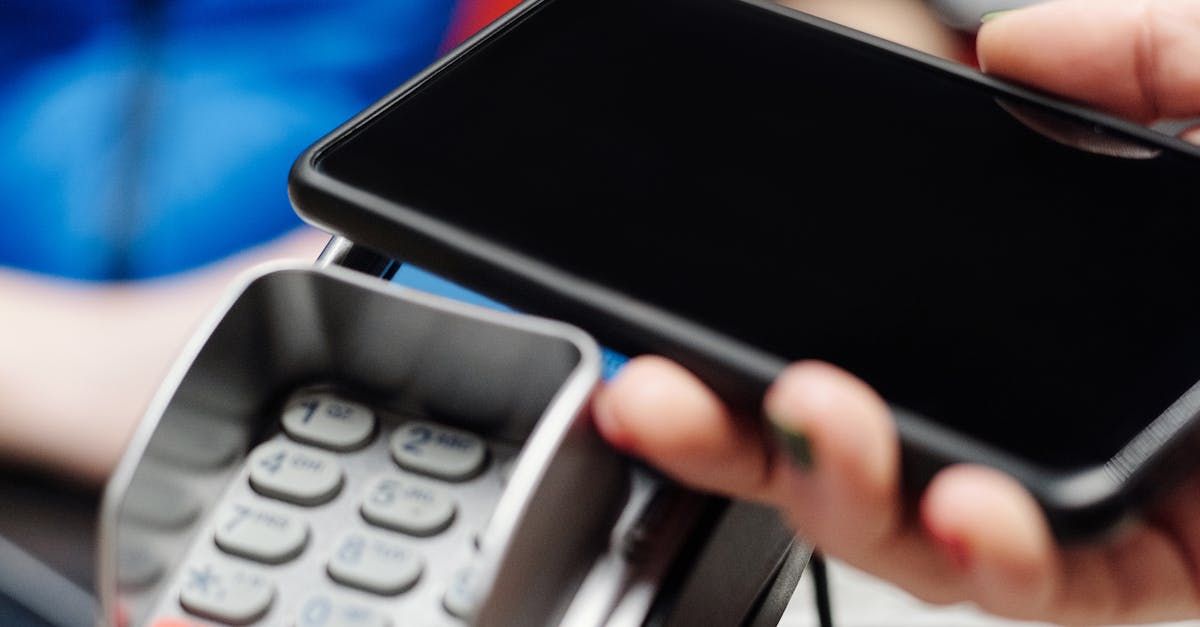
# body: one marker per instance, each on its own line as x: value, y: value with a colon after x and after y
x: 736, y: 185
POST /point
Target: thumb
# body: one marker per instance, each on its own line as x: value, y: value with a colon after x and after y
x: 1135, y: 58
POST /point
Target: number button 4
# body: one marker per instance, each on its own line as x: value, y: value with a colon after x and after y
x: 294, y: 473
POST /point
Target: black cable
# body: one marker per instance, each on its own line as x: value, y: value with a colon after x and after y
x: 820, y: 579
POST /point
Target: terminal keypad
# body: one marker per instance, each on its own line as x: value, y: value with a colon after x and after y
x: 368, y: 539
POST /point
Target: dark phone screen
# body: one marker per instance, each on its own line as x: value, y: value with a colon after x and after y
x: 819, y: 199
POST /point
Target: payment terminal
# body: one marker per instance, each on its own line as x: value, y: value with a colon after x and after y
x: 336, y: 449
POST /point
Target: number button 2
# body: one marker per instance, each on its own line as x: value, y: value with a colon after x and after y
x: 438, y: 451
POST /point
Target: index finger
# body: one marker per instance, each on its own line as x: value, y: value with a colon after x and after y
x: 1135, y: 58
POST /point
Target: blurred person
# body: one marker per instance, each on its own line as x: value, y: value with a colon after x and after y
x: 146, y: 144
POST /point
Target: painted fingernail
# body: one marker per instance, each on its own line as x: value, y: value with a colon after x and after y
x: 955, y: 549
x: 992, y: 15
x: 1191, y: 135
x: 793, y: 443
x: 959, y: 555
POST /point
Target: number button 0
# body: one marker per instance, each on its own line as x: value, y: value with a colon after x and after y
x: 438, y: 451
x: 408, y: 506
x: 264, y: 534
x: 325, y: 611
x: 294, y: 473
x: 373, y: 562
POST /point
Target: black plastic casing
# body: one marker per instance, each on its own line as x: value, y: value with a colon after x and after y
x: 1079, y: 504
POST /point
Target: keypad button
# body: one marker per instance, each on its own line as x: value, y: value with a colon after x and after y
x: 225, y: 594
x: 323, y: 610
x: 327, y: 421
x: 295, y: 473
x: 438, y: 451
x: 374, y: 563
x: 407, y: 505
x: 264, y: 534
x: 463, y: 596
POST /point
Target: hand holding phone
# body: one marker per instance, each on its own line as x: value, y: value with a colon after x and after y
x: 975, y: 534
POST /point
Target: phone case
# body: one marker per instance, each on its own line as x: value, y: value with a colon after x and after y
x: 1077, y: 504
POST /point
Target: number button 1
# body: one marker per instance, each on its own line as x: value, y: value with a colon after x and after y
x: 328, y: 422
x: 438, y: 451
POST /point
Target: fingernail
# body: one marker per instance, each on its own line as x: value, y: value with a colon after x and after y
x: 793, y: 443
x: 992, y: 15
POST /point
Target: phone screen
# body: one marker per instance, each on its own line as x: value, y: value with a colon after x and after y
x: 818, y: 199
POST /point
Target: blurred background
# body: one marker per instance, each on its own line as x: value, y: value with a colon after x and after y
x: 148, y: 137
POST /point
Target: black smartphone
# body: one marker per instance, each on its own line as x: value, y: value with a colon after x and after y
x: 736, y: 185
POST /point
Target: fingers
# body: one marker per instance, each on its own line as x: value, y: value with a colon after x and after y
x: 1136, y: 58
x: 840, y: 486
x: 832, y: 468
x: 996, y: 535
x: 658, y: 411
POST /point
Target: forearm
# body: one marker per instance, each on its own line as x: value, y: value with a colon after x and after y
x: 79, y: 362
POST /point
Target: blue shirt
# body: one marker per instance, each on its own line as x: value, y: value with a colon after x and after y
x: 145, y: 138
